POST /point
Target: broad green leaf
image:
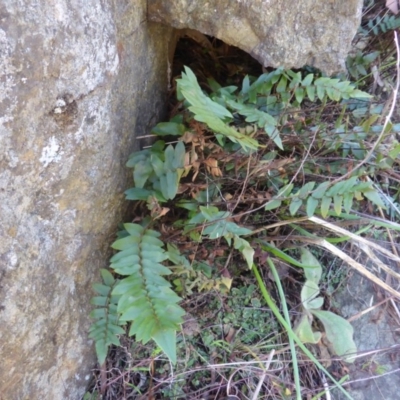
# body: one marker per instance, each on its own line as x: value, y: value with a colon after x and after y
x: 335, y: 189
x: 152, y: 239
x: 339, y: 332
x: 100, y: 301
x: 363, y: 186
x: 142, y: 172
x: 347, y: 185
x: 125, y: 243
x: 103, y: 290
x: 325, y: 205
x: 312, y: 204
x: 246, y: 84
x: 98, y: 313
x: 107, y: 277
x: 212, y: 213
x: 169, y: 155
x: 285, y: 97
x: 299, y: 94
x: 305, y: 190
x: 374, y: 196
x: 188, y: 204
x: 286, y: 190
x: 356, y: 93
x: 101, y: 351
x: 235, y: 229
x: 245, y: 248
x: 137, y: 157
x: 304, y: 331
x: 274, y: 134
x: 134, y: 229
x: 157, y: 164
x: 191, y: 90
x: 166, y: 340
x: 138, y: 194
x: 169, y: 129
x: 172, y: 181
x: 366, y: 125
x: 394, y: 152
x: 320, y: 190
x: 337, y: 204
x: 316, y: 303
x: 106, y: 326
x: 179, y: 159
x: 311, y: 92
x: 332, y: 93
x: 216, y: 230
x: 307, y: 80
x: 295, y: 205
x: 309, y: 291
x: 211, y: 113
x: 176, y: 257
x: 348, y: 201
x: 320, y: 92
x: 272, y: 204
x: 296, y: 77
x: 312, y: 274
x: 282, y: 85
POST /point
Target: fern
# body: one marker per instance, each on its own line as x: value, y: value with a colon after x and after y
x: 143, y: 297
x: 106, y: 327
x: 381, y: 24
x: 214, y: 115
x: 156, y: 173
x: 146, y: 300
x: 357, y: 65
x: 340, y: 194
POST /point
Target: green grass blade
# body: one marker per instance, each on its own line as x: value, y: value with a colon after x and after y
x: 290, y: 332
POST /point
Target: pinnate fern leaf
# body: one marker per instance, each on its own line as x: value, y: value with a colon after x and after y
x: 211, y: 113
x: 106, y: 327
x: 146, y: 299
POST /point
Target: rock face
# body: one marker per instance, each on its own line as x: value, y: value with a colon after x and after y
x: 78, y: 79
x: 275, y: 32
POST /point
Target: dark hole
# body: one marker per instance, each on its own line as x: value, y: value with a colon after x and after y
x: 209, y: 57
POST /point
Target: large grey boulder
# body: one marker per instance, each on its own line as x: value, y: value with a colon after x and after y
x: 275, y: 32
x: 78, y: 80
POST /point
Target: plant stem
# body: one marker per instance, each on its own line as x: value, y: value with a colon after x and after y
x: 290, y: 332
x: 296, y: 374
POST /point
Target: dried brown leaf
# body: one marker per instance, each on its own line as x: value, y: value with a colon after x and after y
x: 212, y: 166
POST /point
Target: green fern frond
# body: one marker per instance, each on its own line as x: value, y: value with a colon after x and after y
x: 156, y: 173
x: 381, y: 24
x: 146, y: 299
x: 340, y: 194
x: 106, y: 327
x: 211, y: 113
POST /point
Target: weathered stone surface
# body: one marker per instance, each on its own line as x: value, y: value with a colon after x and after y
x: 78, y: 79
x: 275, y: 32
x: 376, y: 333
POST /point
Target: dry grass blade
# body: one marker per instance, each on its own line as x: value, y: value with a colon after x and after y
x: 357, y: 238
x: 356, y: 265
x: 367, y: 250
x: 262, y: 378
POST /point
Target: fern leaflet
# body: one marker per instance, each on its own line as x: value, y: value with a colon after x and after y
x: 107, y: 326
x: 146, y: 298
